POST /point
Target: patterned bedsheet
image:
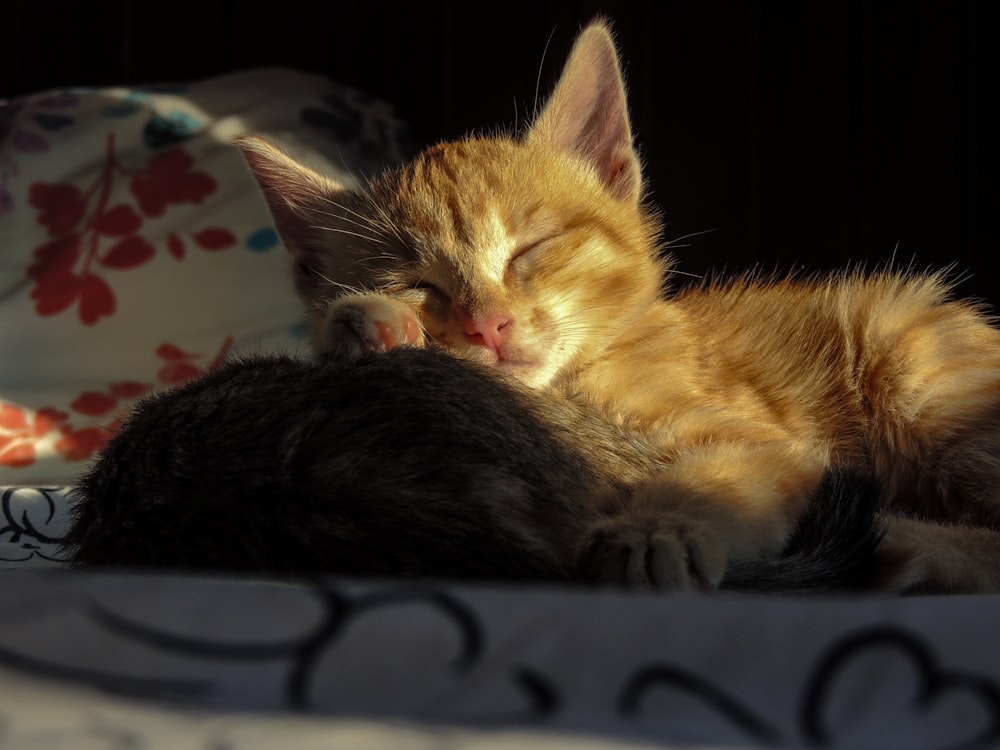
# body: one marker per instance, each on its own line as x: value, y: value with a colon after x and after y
x: 168, y: 661
x: 33, y: 523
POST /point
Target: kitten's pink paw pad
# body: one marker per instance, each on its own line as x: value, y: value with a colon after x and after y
x: 673, y: 554
x: 406, y: 331
x: 367, y: 323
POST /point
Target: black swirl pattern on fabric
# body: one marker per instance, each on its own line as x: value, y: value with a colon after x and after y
x: 657, y: 676
x: 304, y: 653
x: 35, y: 522
x: 859, y: 685
x: 932, y: 684
x: 146, y: 688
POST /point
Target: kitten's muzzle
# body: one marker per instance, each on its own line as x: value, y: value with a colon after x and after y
x: 491, y: 332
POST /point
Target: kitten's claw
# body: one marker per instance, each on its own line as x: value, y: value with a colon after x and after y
x: 357, y: 325
x: 668, y: 553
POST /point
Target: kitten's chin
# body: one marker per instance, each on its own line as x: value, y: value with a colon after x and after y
x: 533, y: 371
x: 530, y: 372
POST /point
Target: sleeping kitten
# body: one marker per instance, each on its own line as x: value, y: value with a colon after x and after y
x: 538, y: 256
x: 407, y: 464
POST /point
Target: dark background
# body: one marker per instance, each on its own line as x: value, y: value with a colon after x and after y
x: 795, y: 134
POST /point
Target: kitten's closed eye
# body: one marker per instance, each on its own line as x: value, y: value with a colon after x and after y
x: 430, y: 289
x: 525, y: 257
x: 417, y: 293
x: 532, y: 248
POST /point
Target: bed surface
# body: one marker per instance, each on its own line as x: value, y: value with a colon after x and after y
x: 241, y: 663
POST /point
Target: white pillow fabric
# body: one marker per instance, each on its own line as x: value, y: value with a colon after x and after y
x: 136, y: 250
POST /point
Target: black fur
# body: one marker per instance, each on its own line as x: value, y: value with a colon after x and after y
x: 410, y: 463
x: 833, y: 548
x: 407, y: 463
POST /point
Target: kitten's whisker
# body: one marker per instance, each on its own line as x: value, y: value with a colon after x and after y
x: 582, y: 328
x: 339, y: 285
x: 386, y: 222
x: 346, y: 231
x: 670, y: 243
x: 371, y: 262
x: 350, y: 170
x: 538, y: 79
x: 342, y: 207
x: 367, y: 224
x: 380, y: 226
x: 671, y: 272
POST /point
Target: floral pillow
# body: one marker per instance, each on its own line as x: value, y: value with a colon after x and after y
x: 136, y: 251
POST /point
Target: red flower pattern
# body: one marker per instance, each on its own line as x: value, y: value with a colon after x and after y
x: 88, y: 233
x: 60, y: 207
x: 21, y: 430
x: 168, y: 180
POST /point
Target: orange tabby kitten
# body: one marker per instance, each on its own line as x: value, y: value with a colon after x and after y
x: 538, y: 255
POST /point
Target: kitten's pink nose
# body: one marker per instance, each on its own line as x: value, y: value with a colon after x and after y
x: 490, y: 331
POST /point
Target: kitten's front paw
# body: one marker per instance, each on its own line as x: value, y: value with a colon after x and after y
x: 358, y: 324
x: 670, y: 553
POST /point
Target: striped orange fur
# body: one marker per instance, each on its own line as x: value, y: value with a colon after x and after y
x: 539, y: 255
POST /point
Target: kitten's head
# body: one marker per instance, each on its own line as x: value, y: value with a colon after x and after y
x: 532, y: 253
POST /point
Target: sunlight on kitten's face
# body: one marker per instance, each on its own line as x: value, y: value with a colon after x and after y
x: 511, y: 256
x: 529, y: 254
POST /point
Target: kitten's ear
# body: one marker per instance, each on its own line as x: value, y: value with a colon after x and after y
x: 587, y: 113
x: 293, y: 191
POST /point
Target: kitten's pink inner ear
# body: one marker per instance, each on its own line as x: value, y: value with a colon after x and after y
x: 587, y: 113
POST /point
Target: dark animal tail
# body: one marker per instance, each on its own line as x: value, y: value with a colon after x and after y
x: 833, y: 549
